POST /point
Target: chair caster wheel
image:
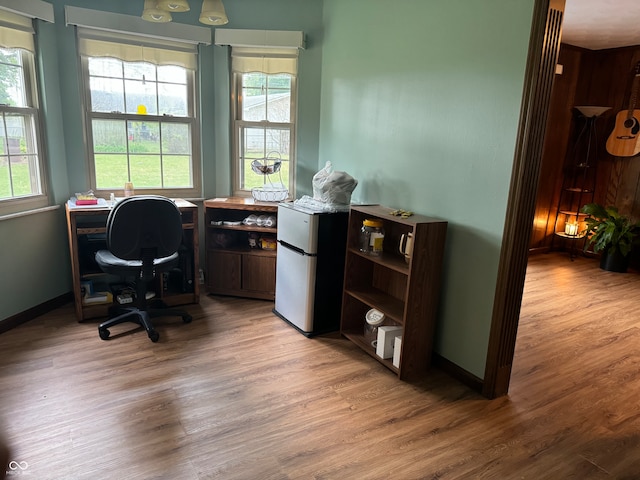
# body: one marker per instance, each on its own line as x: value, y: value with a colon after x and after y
x: 154, y: 336
x: 187, y: 319
x: 104, y: 333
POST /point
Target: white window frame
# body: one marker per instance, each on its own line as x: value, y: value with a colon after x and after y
x: 10, y: 21
x: 191, y: 120
x: 239, y: 125
x: 159, y: 38
x: 269, y: 52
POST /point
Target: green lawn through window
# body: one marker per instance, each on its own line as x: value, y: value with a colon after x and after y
x: 21, y: 183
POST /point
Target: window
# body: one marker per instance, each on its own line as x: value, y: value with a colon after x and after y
x: 141, y: 115
x: 264, y: 118
x: 21, y: 165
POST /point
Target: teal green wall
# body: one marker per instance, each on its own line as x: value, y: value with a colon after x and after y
x: 34, y: 254
x: 418, y: 99
x: 420, y: 102
x: 305, y: 15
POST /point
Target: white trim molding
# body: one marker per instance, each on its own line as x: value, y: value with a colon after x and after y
x: 119, y: 23
x: 29, y: 8
x: 259, y: 38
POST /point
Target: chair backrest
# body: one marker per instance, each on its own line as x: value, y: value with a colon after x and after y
x: 144, y: 223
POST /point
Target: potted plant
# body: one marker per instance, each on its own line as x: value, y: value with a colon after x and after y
x: 612, y: 234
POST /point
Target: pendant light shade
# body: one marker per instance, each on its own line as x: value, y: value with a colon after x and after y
x: 152, y: 13
x: 213, y: 13
x: 173, y: 5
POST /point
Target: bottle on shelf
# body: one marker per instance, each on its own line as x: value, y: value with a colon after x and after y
x: 128, y: 189
x: 371, y: 236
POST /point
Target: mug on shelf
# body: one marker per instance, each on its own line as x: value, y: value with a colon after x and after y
x: 406, y: 246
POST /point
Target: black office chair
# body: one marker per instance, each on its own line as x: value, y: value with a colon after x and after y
x: 144, y: 233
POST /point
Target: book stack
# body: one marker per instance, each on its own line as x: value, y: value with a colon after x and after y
x: 97, y: 298
x: 92, y: 297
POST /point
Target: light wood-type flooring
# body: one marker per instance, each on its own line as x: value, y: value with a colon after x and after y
x: 239, y: 394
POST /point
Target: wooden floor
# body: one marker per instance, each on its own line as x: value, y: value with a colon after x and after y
x: 238, y: 394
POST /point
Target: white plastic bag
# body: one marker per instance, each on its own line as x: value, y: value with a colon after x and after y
x: 319, y: 180
x: 333, y: 188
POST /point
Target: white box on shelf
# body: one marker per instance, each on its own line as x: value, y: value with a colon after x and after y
x: 386, y: 338
x: 397, y: 346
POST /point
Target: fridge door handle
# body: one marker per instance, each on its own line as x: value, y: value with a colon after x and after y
x: 288, y: 246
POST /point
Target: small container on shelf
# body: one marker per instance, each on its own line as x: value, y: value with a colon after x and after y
x: 387, y: 340
x: 128, y: 189
x: 371, y: 236
x: 373, y: 319
x: 254, y: 240
x: 268, y: 242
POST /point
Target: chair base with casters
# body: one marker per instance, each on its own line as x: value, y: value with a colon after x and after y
x: 143, y: 237
x: 143, y: 310
x: 142, y: 318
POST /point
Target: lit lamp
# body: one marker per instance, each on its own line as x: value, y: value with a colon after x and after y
x: 571, y: 228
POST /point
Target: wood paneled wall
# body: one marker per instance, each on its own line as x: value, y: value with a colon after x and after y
x: 604, y: 78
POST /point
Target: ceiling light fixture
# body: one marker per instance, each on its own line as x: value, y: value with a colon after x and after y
x: 152, y: 13
x: 159, y: 11
x: 173, y: 5
x: 213, y: 13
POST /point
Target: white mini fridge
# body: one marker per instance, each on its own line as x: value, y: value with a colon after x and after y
x: 310, y: 268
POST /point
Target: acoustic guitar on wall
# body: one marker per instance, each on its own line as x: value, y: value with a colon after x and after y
x: 624, y: 141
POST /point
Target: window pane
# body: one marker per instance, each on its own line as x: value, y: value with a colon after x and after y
x: 172, y: 99
x: 279, y: 98
x: 145, y: 171
x: 177, y: 171
x: 278, y: 140
x: 151, y: 154
x: 253, y: 142
x: 12, y: 87
x: 20, y: 134
x: 20, y: 174
x: 278, y: 106
x: 105, y: 67
x: 254, y: 87
x: 144, y: 137
x: 266, y: 97
x: 19, y: 151
x: 140, y: 93
x: 140, y: 71
x: 176, y: 138
x: 254, y: 83
x: 267, y: 144
x: 172, y: 74
x: 259, y: 142
x: 109, y: 136
x: 107, y: 95
x: 111, y: 171
x: 5, y: 177
x: 134, y: 154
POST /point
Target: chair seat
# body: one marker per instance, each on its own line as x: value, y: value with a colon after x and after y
x: 109, y: 263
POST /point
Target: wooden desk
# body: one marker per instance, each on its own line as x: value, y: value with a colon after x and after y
x: 85, y: 225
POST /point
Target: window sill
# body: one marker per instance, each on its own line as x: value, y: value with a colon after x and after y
x: 9, y: 216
